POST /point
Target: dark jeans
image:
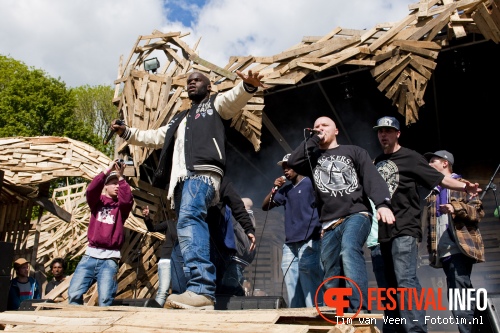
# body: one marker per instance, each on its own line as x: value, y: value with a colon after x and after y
x: 458, y: 269
x: 400, y: 266
x: 378, y: 270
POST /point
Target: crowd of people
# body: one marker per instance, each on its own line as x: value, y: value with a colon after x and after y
x: 338, y: 200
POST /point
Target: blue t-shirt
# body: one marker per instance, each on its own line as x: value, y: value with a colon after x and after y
x: 301, y: 216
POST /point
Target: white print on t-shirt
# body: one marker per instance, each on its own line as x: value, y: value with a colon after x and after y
x: 104, y: 216
x: 335, y: 175
x: 389, y: 171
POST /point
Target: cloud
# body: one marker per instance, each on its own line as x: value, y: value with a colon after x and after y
x: 81, y: 41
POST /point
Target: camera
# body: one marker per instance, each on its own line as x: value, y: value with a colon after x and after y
x: 120, y: 162
x: 119, y: 122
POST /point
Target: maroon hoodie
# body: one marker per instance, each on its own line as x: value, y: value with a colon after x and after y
x: 108, y: 215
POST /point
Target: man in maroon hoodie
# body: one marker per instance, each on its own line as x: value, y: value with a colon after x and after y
x: 110, y: 200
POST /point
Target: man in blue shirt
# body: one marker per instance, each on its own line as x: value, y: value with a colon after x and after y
x: 300, y: 263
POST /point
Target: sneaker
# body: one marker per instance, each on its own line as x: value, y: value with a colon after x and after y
x: 190, y: 300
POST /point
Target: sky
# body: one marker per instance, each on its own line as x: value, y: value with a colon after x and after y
x: 81, y: 41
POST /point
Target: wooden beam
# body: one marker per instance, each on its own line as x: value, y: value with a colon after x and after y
x: 219, y: 70
x: 53, y: 208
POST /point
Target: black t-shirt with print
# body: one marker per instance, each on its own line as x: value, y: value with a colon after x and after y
x: 403, y: 171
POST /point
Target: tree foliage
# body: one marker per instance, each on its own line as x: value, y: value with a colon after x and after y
x: 94, y: 106
x: 35, y: 104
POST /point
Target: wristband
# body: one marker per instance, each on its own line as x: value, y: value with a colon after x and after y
x: 465, y: 189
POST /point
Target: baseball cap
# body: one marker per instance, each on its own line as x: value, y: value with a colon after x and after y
x: 387, y: 122
x: 441, y: 153
x: 19, y: 262
x: 285, y: 159
x: 111, y: 176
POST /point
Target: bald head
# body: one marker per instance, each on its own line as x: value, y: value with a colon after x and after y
x: 198, y: 87
x: 329, y: 132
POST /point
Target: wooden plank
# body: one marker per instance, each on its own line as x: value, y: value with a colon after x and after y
x: 215, y: 68
x: 418, y: 44
x: 420, y: 51
x: 340, y: 57
x: 458, y: 29
x: 396, y: 85
x: 482, y: 25
x: 394, y: 73
x: 334, y: 45
x: 495, y: 14
x: 442, y: 17
x: 20, y: 317
x: 494, y: 32
x: 392, y: 32
x: 421, y: 69
x: 59, y: 329
x: 387, y: 65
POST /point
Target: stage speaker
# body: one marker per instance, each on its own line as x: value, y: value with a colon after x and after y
x: 139, y: 302
x: 489, y: 319
x: 225, y: 302
x: 27, y: 305
x: 7, y: 258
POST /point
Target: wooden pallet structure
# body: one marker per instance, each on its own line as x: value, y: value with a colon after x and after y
x: 28, y: 164
x: 402, y: 57
x: 71, y: 318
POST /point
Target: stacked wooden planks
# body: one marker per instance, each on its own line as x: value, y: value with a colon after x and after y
x: 133, y: 319
x: 402, y: 56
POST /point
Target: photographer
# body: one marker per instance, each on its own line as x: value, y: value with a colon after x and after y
x: 110, y: 200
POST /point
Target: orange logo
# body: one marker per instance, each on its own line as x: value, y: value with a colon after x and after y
x: 336, y: 298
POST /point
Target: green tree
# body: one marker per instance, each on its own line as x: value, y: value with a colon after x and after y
x: 94, y: 106
x: 34, y: 104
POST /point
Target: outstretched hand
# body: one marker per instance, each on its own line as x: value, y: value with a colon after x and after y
x: 472, y: 189
x: 252, y: 78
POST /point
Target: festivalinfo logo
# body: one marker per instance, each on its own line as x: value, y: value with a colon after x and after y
x: 401, y: 298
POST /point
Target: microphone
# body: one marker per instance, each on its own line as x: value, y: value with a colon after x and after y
x: 112, y: 132
x: 276, y: 187
x: 312, y: 130
x: 108, y: 137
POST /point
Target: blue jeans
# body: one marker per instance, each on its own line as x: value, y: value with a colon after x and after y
x: 302, y: 272
x: 458, y: 269
x: 400, y: 266
x: 88, y: 271
x: 163, y: 281
x: 342, y: 255
x: 193, y: 234
x: 178, y: 275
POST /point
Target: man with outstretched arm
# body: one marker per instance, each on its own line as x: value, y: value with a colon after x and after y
x: 191, y: 166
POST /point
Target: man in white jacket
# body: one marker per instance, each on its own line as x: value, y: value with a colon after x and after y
x: 191, y: 166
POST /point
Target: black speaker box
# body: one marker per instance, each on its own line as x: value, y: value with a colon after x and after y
x: 489, y: 319
x: 27, y: 305
x: 224, y: 302
x: 139, y: 302
x: 7, y: 258
x: 4, y: 292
